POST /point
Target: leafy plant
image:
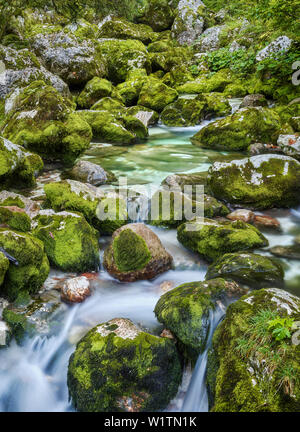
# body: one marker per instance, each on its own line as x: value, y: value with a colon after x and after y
x: 280, y: 328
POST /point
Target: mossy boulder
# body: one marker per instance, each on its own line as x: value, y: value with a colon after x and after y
x: 236, y: 132
x: 189, y: 21
x: 172, y: 208
x: 120, y: 28
x: 32, y: 266
x: 258, y: 182
x: 254, y: 270
x: 136, y: 253
x: 105, y: 213
x: 12, y: 199
x: 185, y: 311
x: 44, y: 121
x: 158, y: 14
x: 190, y: 112
x: 89, y: 172
x: 117, y: 367
x: 131, y: 88
x: 207, y: 83
x: 166, y: 61
x: 79, y: 59
x: 123, y: 56
x: 156, y: 95
x: 4, y: 265
x: 94, y: 90
x: 212, y: 239
x: 18, y: 167
x: 249, y: 369
x: 108, y: 104
x: 15, y: 217
x: 71, y: 244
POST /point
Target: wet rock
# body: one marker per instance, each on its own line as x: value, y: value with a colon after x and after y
x: 127, y: 373
x: 33, y: 266
x: 178, y: 181
x: 254, y: 377
x: 76, y: 290
x: 4, y: 334
x: 290, y: 145
x: 260, y: 182
x: 254, y: 270
x: 281, y: 44
x: 254, y: 100
x: 44, y: 121
x: 145, y: 115
x: 259, y: 148
x: 105, y: 212
x: 189, y: 21
x: 136, y: 253
x: 236, y: 132
x: 92, y: 173
x: 185, y: 312
x: 71, y: 244
x: 212, y: 239
x: 266, y: 222
x: 242, y: 214
x: 18, y: 166
x: 289, y: 252
x: 75, y: 60
x: 167, y: 334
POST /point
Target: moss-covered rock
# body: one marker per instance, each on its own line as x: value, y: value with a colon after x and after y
x: 71, y: 244
x: 11, y: 199
x: 238, y: 131
x: 172, y: 208
x: 18, y: 167
x: 260, y: 182
x: 15, y: 217
x: 4, y: 265
x: 79, y: 59
x: 94, y: 90
x: 136, y: 253
x: 249, y: 369
x: 33, y: 266
x: 185, y: 311
x: 189, y: 21
x: 120, y: 28
x: 254, y: 270
x: 165, y: 61
x: 103, y: 212
x: 44, y: 121
x: 156, y: 95
x: 123, y: 56
x: 89, y: 172
x: 117, y: 367
x: 190, y: 112
x: 131, y: 88
x: 208, y: 83
x: 212, y: 239
x: 158, y: 14
x: 108, y: 104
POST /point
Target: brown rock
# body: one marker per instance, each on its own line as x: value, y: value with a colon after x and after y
x: 264, y: 221
x: 76, y: 290
x: 167, y: 334
x: 241, y: 214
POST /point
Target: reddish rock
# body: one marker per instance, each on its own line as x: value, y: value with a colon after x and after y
x: 167, y: 334
x: 241, y: 214
x: 264, y: 221
x: 76, y: 290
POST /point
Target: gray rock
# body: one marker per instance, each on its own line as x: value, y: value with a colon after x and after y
x: 210, y: 39
x: 290, y: 145
x: 89, y: 172
x: 188, y: 25
x: 76, y: 290
x: 281, y: 44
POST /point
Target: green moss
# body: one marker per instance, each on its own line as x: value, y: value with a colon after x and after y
x: 251, y: 269
x: 158, y: 14
x: 118, y: 28
x: 71, y: 244
x: 94, y: 90
x: 212, y: 239
x: 130, y: 251
x: 260, y: 182
x: 185, y: 309
x: 17, y: 323
x: 236, y: 132
x: 15, y: 218
x: 208, y: 83
x: 110, y: 370
x: 108, y: 104
x: 248, y: 370
x: 4, y: 265
x: 131, y: 88
x: 156, y: 95
x: 33, y: 266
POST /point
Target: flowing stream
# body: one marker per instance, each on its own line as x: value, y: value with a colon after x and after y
x: 33, y: 377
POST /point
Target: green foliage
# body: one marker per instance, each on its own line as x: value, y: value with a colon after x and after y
x: 280, y: 328
x: 239, y: 61
x: 279, y: 64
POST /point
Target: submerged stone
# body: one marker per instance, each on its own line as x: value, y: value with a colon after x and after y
x: 116, y: 367
x: 92, y: 173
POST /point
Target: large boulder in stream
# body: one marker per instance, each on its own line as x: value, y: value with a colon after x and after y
x: 212, y: 238
x: 118, y: 367
x: 185, y: 311
x: 236, y: 132
x: 254, y: 363
x: 29, y: 266
x: 71, y: 244
x: 105, y: 213
x: 254, y: 270
x: 136, y: 253
x: 258, y: 182
x: 42, y: 120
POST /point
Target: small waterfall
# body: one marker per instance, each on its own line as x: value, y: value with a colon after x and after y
x: 196, y: 399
